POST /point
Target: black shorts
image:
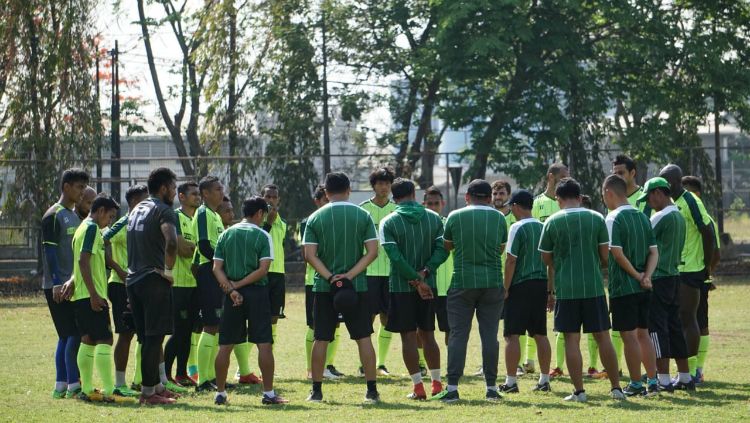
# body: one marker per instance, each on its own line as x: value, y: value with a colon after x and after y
x: 277, y: 293
x: 378, y: 294
x: 591, y: 313
x: 185, y: 308
x: 62, y: 315
x: 694, y: 279
x: 248, y: 322
x: 151, y: 302
x: 408, y: 312
x: 210, y: 295
x: 441, y: 313
x: 309, y: 300
x: 630, y: 312
x: 703, y: 308
x: 121, y: 314
x: 526, y: 309
x: 94, y: 324
x: 358, y: 322
x: 664, y: 325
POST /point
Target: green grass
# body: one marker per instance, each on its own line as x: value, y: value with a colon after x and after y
x: 27, y: 343
x: 738, y: 226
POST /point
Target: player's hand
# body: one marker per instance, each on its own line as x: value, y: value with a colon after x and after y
x: 550, y: 302
x: 57, y: 293
x: 236, y: 298
x: 98, y: 303
x: 506, y: 294
x: 646, y: 283
x: 341, y: 276
x: 711, y: 286
x: 68, y: 289
x: 123, y: 275
x: 424, y: 291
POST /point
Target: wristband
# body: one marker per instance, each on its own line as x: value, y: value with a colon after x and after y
x: 427, y: 272
x: 168, y: 273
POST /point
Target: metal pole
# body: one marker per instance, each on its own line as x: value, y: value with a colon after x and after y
x: 114, y: 165
x: 717, y: 166
x: 99, y: 147
x: 326, y: 133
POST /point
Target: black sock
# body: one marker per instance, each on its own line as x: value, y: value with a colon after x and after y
x: 317, y: 386
x: 579, y: 392
x: 372, y: 386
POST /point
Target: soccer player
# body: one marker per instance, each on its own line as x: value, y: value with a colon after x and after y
x: 340, y: 242
x: 276, y: 226
x: 478, y: 234
x: 83, y: 206
x: 116, y: 255
x: 226, y: 212
x: 694, y: 185
x: 152, y: 251
x: 58, y: 225
x: 433, y: 200
x: 545, y: 205
x: 208, y: 226
x: 184, y: 289
x: 412, y: 236
x: 90, y: 302
x: 573, y: 259
x: 330, y: 372
x: 380, y: 206
x: 242, y: 258
x: 632, y: 260
x: 525, y: 285
x: 624, y: 167
x: 665, y: 327
x: 697, y: 254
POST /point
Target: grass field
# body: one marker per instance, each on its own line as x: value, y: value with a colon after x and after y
x: 27, y: 343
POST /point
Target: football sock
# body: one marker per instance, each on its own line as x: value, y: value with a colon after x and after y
x: 384, y: 344
x: 193, y: 357
x: 163, y: 373
x: 593, y: 351
x: 422, y: 362
x: 242, y: 354
x: 205, y: 353
x: 105, y: 365
x: 86, y: 367
x: 560, y: 351
x: 137, y: 377
x: 522, y: 341
x: 692, y: 364
x: 61, y: 374
x: 333, y: 348
x: 703, y: 351
x: 309, y: 340
x: 619, y: 347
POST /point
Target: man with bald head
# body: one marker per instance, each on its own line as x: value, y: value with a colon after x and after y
x: 696, y: 254
x: 83, y: 206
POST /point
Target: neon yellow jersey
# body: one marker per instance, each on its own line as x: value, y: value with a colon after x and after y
x: 381, y: 266
x: 444, y: 273
x: 207, y: 225
x: 183, y: 275
x: 544, y: 207
x: 88, y: 239
x: 278, y: 234
x: 509, y: 220
x: 309, y: 270
x: 117, y: 235
x: 696, y: 218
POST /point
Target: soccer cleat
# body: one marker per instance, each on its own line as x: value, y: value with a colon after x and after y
x: 206, y: 386
x: 580, y: 397
x: 616, y: 393
x: 175, y: 387
x: 74, y: 393
x: 156, y: 400
x: 361, y: 372
x: 601, y: 375
x: 447, y: 397
x: 194, y: 376
x: 94, y: 396
x: 124, y: 391
x: 166, y: 393
x: 383, y: 371
x: 437, y: 387
x: 273, y: 400
x: 698, y: 378
x: 479, y: 372
x: 58, y: 394
x: 331, y: 368
x: 632, y: 390
x: 592, y: 372
x: 417, y: 396
x: 556, y: 372
x: 529, y: 368
x: 542, y: 387
x: 372, y: 397
x: 227, y: 385
x: 315, y: 396
x: 221, y: 400
x: 682, y: 386
x: 118, y: 398
x: 519, y: 371
x: 508, y: 389
x: 185, y: 381
x: 250, y: 379
x: 667, y: 388
x: 135, y: 386
x: 328, y: 375
x: 652, y: 390
x: 492, y: 395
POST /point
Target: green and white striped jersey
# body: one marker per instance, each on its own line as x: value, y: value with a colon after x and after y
x: 523, y: 243
x: 630, y: 230
x: 669, y: 232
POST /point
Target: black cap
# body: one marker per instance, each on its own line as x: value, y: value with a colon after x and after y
x: 479, y: 188
x: 344, y: 296
x: 523, y: 198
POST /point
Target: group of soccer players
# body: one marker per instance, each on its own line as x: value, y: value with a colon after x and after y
x: 218, y: 288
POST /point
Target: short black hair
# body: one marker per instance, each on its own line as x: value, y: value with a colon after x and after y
x: 73, y: 175
x: 402, y: 188
x: 568, y: 189
x: 433, y: 190
x: 135, y: 191
x: 160, y: 177
x: 252, y: 205
x: 502, y: 183
x: 104, y: 201
x: 207, y: 182
x: 185, y: 186
x: 226, y: 200
x: 320, y: 192
x: 624, y: 159
x: 337, y: 183
x: 556, y: 168
x: 586, y: 202
x: 693, y: 182
x: 616, y: 184
x: 267, y: 187
x: 382, y: 174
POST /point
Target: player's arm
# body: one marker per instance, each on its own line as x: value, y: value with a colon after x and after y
x: 170, y: 248
x: 510, y: 270
x: 256, y: 275
x: 398, y: 262
x: 549, y: 261
x: 706, y: 229
x: 448, y: 235
x: 50, y: 235
x: 185, y: 248
x: 311, y: 256
x: 204, y: 244
x: 651, y: 261
x: 110, y: 261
